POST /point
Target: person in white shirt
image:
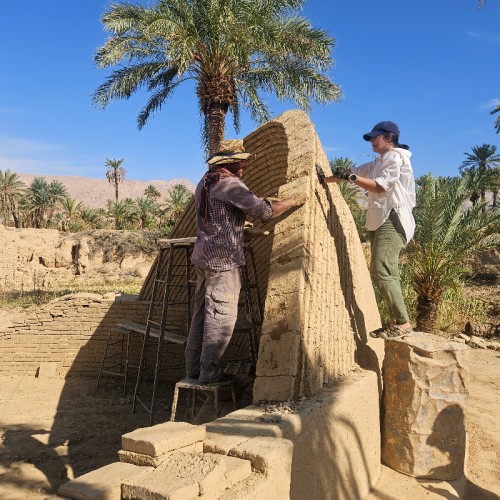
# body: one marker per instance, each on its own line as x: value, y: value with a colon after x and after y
x: 391, y: 197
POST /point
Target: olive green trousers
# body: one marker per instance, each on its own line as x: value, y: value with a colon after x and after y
x: 386, y: 244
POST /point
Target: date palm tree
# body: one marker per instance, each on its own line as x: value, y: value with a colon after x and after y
x: 70, y: 211
x: 147, y: 210
x: 41, y: 200
x: 446, y: 235
x: 94, y: 218
x: 123, y: 213
x: 482, y: 170
x: 178, y: 198
x: 11, y: 189
x: 232, y: 50
x: 152, y: 193
x: 115, y: 173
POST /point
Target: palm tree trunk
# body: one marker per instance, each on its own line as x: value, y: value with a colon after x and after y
x: 16, y: 219
x: 427, y: 314
x: 495, y: 197
x: 216, y: 124
x: 483, y: 198
x: 116, y: 190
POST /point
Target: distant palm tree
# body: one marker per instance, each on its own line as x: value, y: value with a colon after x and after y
x: 70, y: 211
x: 446, y: 235
x: 41, y: 200
x: 123, y: 213
x: 11, y: 189
x: 179, y: 197
x: 115, y: 173
x: 94, y: 218
x: 57, y: 194
x: 147, y: 210
x: 152, y: 192
x: 232, y: 49
x: 481, y: 170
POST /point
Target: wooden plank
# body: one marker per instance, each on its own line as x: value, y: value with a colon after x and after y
x: 153, y: 332
x: 165, y: 243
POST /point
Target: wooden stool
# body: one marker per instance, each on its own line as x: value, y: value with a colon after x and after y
x: 192, y: 386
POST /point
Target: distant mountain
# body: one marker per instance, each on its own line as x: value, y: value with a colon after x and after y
x: 95, y: 192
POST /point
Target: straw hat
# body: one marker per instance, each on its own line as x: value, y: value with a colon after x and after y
x: 230, y: 151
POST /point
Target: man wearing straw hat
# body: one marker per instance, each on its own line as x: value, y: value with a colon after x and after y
x: 222, y: 204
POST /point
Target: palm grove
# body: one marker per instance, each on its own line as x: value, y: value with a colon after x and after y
x: 44, y: 205
x: 235, y: 52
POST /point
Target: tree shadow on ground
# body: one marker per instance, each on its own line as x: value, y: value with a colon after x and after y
x: 85, y: 435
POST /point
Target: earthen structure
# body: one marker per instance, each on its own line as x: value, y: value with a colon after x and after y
x: 319, y: 306
x: 319, y: 300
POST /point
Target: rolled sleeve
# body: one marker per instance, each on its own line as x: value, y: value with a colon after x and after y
x: 391, y: 165
x: 364, y: 169
x: 238, y: 195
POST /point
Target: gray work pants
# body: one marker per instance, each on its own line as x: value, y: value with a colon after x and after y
x: 214, y: 317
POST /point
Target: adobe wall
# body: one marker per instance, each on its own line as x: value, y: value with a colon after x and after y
x: 327, y: 447
x: 68, y: 333
x: 319, y: 300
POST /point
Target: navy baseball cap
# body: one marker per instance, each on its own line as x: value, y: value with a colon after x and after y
x: 380, y: 128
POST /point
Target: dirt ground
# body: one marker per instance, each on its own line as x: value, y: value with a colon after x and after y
x: 53, y: 429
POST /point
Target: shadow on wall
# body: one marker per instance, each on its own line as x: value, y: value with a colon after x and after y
x: 364, y: 355
x: 351, y: 470
x: 332, y: 459
x: 448, y: 437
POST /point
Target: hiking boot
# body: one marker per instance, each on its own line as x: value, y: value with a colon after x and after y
x: 395, y: 331
x: 378, y: 332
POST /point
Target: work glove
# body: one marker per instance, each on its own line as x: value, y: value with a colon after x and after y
x: 321, y: 174
x: 341, y: 173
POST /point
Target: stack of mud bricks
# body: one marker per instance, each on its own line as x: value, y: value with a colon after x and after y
x: 425, y: 397
x: 168, y: 461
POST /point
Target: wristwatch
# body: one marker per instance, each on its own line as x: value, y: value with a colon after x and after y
x: 353, y: 178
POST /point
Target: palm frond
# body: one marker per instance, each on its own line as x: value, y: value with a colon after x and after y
x: 235, y: 49
x: 447, y: 233
x: 154, y: 104
x: 497, y: 120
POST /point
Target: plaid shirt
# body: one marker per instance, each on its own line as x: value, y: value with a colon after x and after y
x: 219, y: 245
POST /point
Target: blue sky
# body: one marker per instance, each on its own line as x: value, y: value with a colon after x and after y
x: 431, y: 66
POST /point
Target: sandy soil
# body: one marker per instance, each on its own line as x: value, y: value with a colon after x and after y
x: 52, y: 430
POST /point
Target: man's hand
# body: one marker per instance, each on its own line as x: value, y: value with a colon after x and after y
x: 281, y: 206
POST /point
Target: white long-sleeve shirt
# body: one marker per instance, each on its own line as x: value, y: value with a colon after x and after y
x: 393, y: 173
